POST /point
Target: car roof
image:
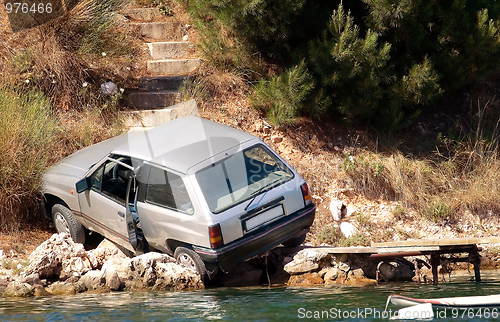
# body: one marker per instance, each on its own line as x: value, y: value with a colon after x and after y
x: 182, y: 143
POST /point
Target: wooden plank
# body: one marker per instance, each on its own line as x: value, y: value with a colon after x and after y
x: 348, y: 250
x: 332, y: 250
x: 387, y: 250
x: 438, y: 242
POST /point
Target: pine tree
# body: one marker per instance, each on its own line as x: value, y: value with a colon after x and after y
x: 353, y: 70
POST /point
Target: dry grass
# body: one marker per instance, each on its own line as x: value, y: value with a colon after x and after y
x: 27, y: 132
x: 213, y: 88
x: 466, y: 180
x: 61, y: 55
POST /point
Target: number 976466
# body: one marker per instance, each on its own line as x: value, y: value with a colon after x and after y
x: 28, y: 8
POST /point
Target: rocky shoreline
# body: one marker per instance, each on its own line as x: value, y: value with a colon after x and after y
x: 61, y: 267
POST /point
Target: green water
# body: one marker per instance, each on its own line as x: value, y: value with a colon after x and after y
x: 336, y: 303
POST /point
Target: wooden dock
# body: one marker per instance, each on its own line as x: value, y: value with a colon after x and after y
x: 432, y: 247
x: 435, y: 248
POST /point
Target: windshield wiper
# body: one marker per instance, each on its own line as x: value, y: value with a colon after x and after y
x: 255, y: 194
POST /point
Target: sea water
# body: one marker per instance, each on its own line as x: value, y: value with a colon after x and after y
x: 319, y: 303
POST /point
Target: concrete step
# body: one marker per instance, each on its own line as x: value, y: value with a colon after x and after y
x: 169, y: 49
x: 143, y: 14
x: 151, y: 100
x: 147, y: 119
x: 162, y: 83
x: 173, y: 66
x: 159, y: 30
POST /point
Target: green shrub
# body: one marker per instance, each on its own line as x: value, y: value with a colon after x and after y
x: 282, y: 96
x: 333, y: 236
x: 240, y: 33
x: 329, y: 234
x: 437, y: 212
x: 461, y: 38
x: 358, y: 239
x: 357, y: 71
x: 362, y: 218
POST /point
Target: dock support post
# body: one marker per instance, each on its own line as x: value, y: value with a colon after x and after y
x: 475, y: 259
x: 435, y: 262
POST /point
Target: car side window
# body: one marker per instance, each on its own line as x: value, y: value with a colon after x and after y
x: 96, y: 179
x: 111, y: 179
x: 167, y: 189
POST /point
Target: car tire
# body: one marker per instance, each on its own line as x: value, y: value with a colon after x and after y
x: 296, y: 241
x: 192, y: 260
x: 66, y: 222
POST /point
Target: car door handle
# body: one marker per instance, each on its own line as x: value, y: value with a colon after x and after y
x: 121, y: 214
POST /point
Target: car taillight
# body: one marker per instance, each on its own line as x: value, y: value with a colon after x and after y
x: 306, y: 194
x: 215, y: 236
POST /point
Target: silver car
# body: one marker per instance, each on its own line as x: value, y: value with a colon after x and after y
x: 206, y: 193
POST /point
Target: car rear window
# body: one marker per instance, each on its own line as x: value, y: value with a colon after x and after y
x: 241, y: 176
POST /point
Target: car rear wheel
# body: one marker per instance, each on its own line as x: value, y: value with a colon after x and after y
x: 66, y: 222
x: 190, y: 259
x: 296, y: 241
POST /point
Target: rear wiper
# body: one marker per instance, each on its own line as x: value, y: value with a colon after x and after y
x: 255, y: 194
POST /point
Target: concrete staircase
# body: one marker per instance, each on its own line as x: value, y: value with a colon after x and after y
x: 173, y: 60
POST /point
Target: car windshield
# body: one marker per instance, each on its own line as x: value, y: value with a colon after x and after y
x: 241, y: 176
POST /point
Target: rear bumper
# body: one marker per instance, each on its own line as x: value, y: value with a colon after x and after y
x: 259, y: 241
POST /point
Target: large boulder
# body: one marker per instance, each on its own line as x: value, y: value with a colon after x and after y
x: 348, y: 229
x: 160, y: 272
x: 61, y: 288
x: 122, y: 267
x: 58, y: 257
x: 17, y: 289
x: 93, y: 280
x: 338, y: 209
x: 104, y: 251
x: 104, y: 268
x: 172, y: 276
x: 308, y: 260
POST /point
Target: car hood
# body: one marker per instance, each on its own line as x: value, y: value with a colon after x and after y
x: 77, y: 164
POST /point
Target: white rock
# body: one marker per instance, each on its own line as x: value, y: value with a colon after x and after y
x: 103, y: 252
x: 122, y: 267
x: 112, y: 280
x: 307, y: 260
x: 58, y: 256
x: 313, y: 255
x: 109, y: 88
x: 348, y: 229
x: 350, y: 211
x: 16, y: 289
x: 92, y: 279
x: 173, y: 275
x: 300, y: 267
x: 336, y: 209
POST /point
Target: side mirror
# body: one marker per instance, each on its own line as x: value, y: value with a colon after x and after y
x: 82, y: 185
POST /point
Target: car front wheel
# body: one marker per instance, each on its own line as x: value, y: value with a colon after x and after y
x: 66, y: 222
x: 189, y: 258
